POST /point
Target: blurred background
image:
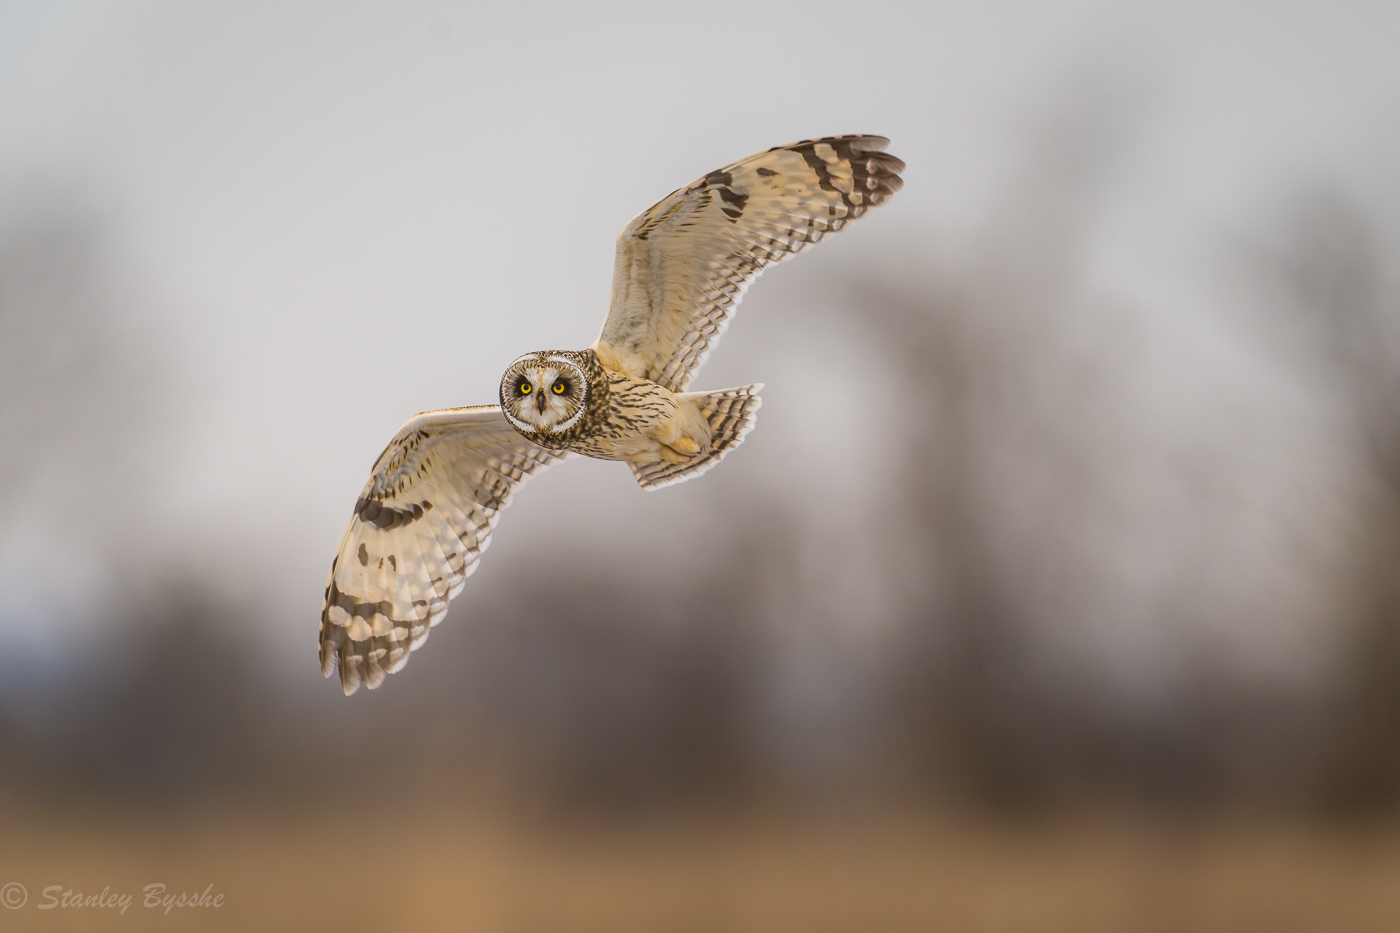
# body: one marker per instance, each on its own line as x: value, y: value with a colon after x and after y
x: 1058, y: 589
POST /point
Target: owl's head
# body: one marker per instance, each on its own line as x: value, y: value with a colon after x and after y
x: 545, y: 392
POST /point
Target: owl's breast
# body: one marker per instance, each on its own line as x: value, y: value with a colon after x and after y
x: 627, y: 425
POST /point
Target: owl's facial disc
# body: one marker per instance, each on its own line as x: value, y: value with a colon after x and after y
x: 543, y: 393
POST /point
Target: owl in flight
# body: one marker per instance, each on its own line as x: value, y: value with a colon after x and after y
x: 426, y: 514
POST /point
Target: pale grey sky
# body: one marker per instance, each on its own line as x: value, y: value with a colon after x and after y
x: 341, y: 214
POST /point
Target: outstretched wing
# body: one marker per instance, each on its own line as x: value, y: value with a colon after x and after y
x: 683, y: 265
x: 420, y: 526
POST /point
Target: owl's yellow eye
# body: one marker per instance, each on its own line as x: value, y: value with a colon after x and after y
x: 524, y: 388
x: 558, y: 388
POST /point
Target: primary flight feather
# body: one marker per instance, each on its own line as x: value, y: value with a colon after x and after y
x: 425, y: 517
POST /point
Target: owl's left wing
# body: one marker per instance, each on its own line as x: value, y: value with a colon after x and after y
x: 420, y: 526
x: 683, y: 265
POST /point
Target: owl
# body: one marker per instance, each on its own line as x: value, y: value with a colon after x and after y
x: 425, y: 516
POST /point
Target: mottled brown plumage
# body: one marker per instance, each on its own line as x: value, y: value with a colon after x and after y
x: 424, y: 518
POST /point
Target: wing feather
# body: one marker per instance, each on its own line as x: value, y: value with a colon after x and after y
x: 420, y: 525
x: 683, y: 265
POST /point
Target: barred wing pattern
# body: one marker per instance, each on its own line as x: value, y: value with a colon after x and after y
x: 420, y: 526
x: 683, y: 265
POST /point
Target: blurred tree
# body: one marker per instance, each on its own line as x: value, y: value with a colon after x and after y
x: 174, y: 707
x: 1333, y: 286
x: 619, y: 700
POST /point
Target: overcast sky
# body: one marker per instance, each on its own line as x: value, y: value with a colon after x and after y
x: 335, y: 215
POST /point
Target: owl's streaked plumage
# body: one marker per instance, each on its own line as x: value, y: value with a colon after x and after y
x: 424, y: 518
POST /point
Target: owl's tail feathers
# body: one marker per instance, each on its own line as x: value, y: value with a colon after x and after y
x: 731, y: 414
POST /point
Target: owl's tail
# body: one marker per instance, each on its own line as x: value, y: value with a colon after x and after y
x: 731, y: 414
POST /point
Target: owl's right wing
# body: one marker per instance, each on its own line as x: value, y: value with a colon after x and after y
x: 420, y: 526
x: 683, y: 264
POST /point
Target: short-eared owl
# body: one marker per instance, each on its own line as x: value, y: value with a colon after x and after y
x: 426, y: 514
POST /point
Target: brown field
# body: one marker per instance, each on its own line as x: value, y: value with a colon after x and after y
x: 918, y: 871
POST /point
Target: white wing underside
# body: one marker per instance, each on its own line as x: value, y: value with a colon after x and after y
x: 420, y: 525
x: 683, y: 265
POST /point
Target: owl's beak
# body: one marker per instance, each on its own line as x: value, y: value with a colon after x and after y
x: 541, y: 402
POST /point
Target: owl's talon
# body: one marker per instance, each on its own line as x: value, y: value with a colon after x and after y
x: 686, y: 446
x: 671, y: 455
